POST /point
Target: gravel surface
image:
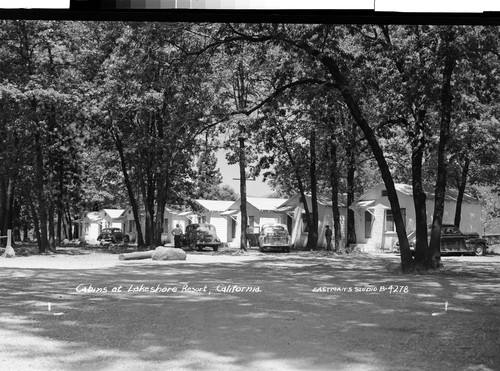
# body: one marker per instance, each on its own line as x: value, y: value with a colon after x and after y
x: 79, y: 310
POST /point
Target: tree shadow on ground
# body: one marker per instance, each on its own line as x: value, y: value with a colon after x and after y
x: 278, y: 311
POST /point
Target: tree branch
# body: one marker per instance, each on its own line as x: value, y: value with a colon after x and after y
x: 280, y: 90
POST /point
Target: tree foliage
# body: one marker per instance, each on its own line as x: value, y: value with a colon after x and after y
x: 101, y: 114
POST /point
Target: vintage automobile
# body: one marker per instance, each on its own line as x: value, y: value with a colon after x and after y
x: 274, y: 236
x: 112, y: 235
x: 453, y: 241
x: 201, y: 235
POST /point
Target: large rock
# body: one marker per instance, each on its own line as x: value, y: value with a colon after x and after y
x: 168, y: 253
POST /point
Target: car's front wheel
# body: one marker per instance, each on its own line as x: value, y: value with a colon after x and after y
x: 479, y: 250
x: 126, y: 239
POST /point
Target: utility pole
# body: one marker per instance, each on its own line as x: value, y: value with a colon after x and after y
x: 243, y: 192
x: 243, y: 189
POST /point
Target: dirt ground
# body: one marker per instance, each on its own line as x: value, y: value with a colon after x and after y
x: 87, y: 310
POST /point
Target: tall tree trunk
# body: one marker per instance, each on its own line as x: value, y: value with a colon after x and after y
x: 51, y: 226
x: 60, y: 205
x: 343, y: 86
x: 356, y: 112
x: 69, y: 222
x: 351, y: 171
x: 26, y: 229
x: 434, y: 260
x: 159, y: 223
x: 334, y: 184
x: 60, y: 228
x: 159, y: 215
x: 3, y: 187
x: 6, y: 207
x: 130, y: 191
x: 163, y: 191
x: 312, y: 236
x: 149, y: 214
x: 64, y: 227
x: 148, y: 195
x: 418, y: 146
x: 36, y: 222
x: 3, y: 208
x: 243, y: 193
x: 241, y: 101
x: 43, y: 241
x: 8, y: 210
x: 461, y: 191
x: 162, y: 180
x: 462, y: 183
x: 16, y: 213
x: 419, y: 196
x: 298, y: 178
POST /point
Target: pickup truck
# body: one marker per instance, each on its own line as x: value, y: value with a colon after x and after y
x: 453, y: 241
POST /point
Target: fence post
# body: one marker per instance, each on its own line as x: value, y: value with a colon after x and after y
x: 9, y: 251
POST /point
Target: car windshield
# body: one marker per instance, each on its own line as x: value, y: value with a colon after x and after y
x: 274, y: 229
x: 207, y: 227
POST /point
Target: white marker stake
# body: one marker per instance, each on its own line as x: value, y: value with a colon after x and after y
x: 445, y: 310
x: 49, y: 307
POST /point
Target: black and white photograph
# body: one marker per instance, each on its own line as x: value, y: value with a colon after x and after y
x: 189, y: 185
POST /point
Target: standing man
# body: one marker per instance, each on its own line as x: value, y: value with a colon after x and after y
x: 177, y: 233
x: 247, y: 235
x: 328, y: 236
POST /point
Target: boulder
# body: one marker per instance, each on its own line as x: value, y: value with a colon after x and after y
x: 168, y: 253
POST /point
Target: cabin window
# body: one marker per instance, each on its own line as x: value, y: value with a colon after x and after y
x: 384, y: 193
x: 389, y: 220
x: 368, y: 224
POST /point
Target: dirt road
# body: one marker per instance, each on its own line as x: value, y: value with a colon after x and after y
x: 225, y: 311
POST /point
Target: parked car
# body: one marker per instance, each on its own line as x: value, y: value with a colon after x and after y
x: 201, y: 235
x: 112, y: 235
x: 274, y: 236
x: 453, y: 241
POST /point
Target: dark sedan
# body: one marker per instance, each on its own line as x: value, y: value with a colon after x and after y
x: 112, y: 235
x: 200, y: 236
